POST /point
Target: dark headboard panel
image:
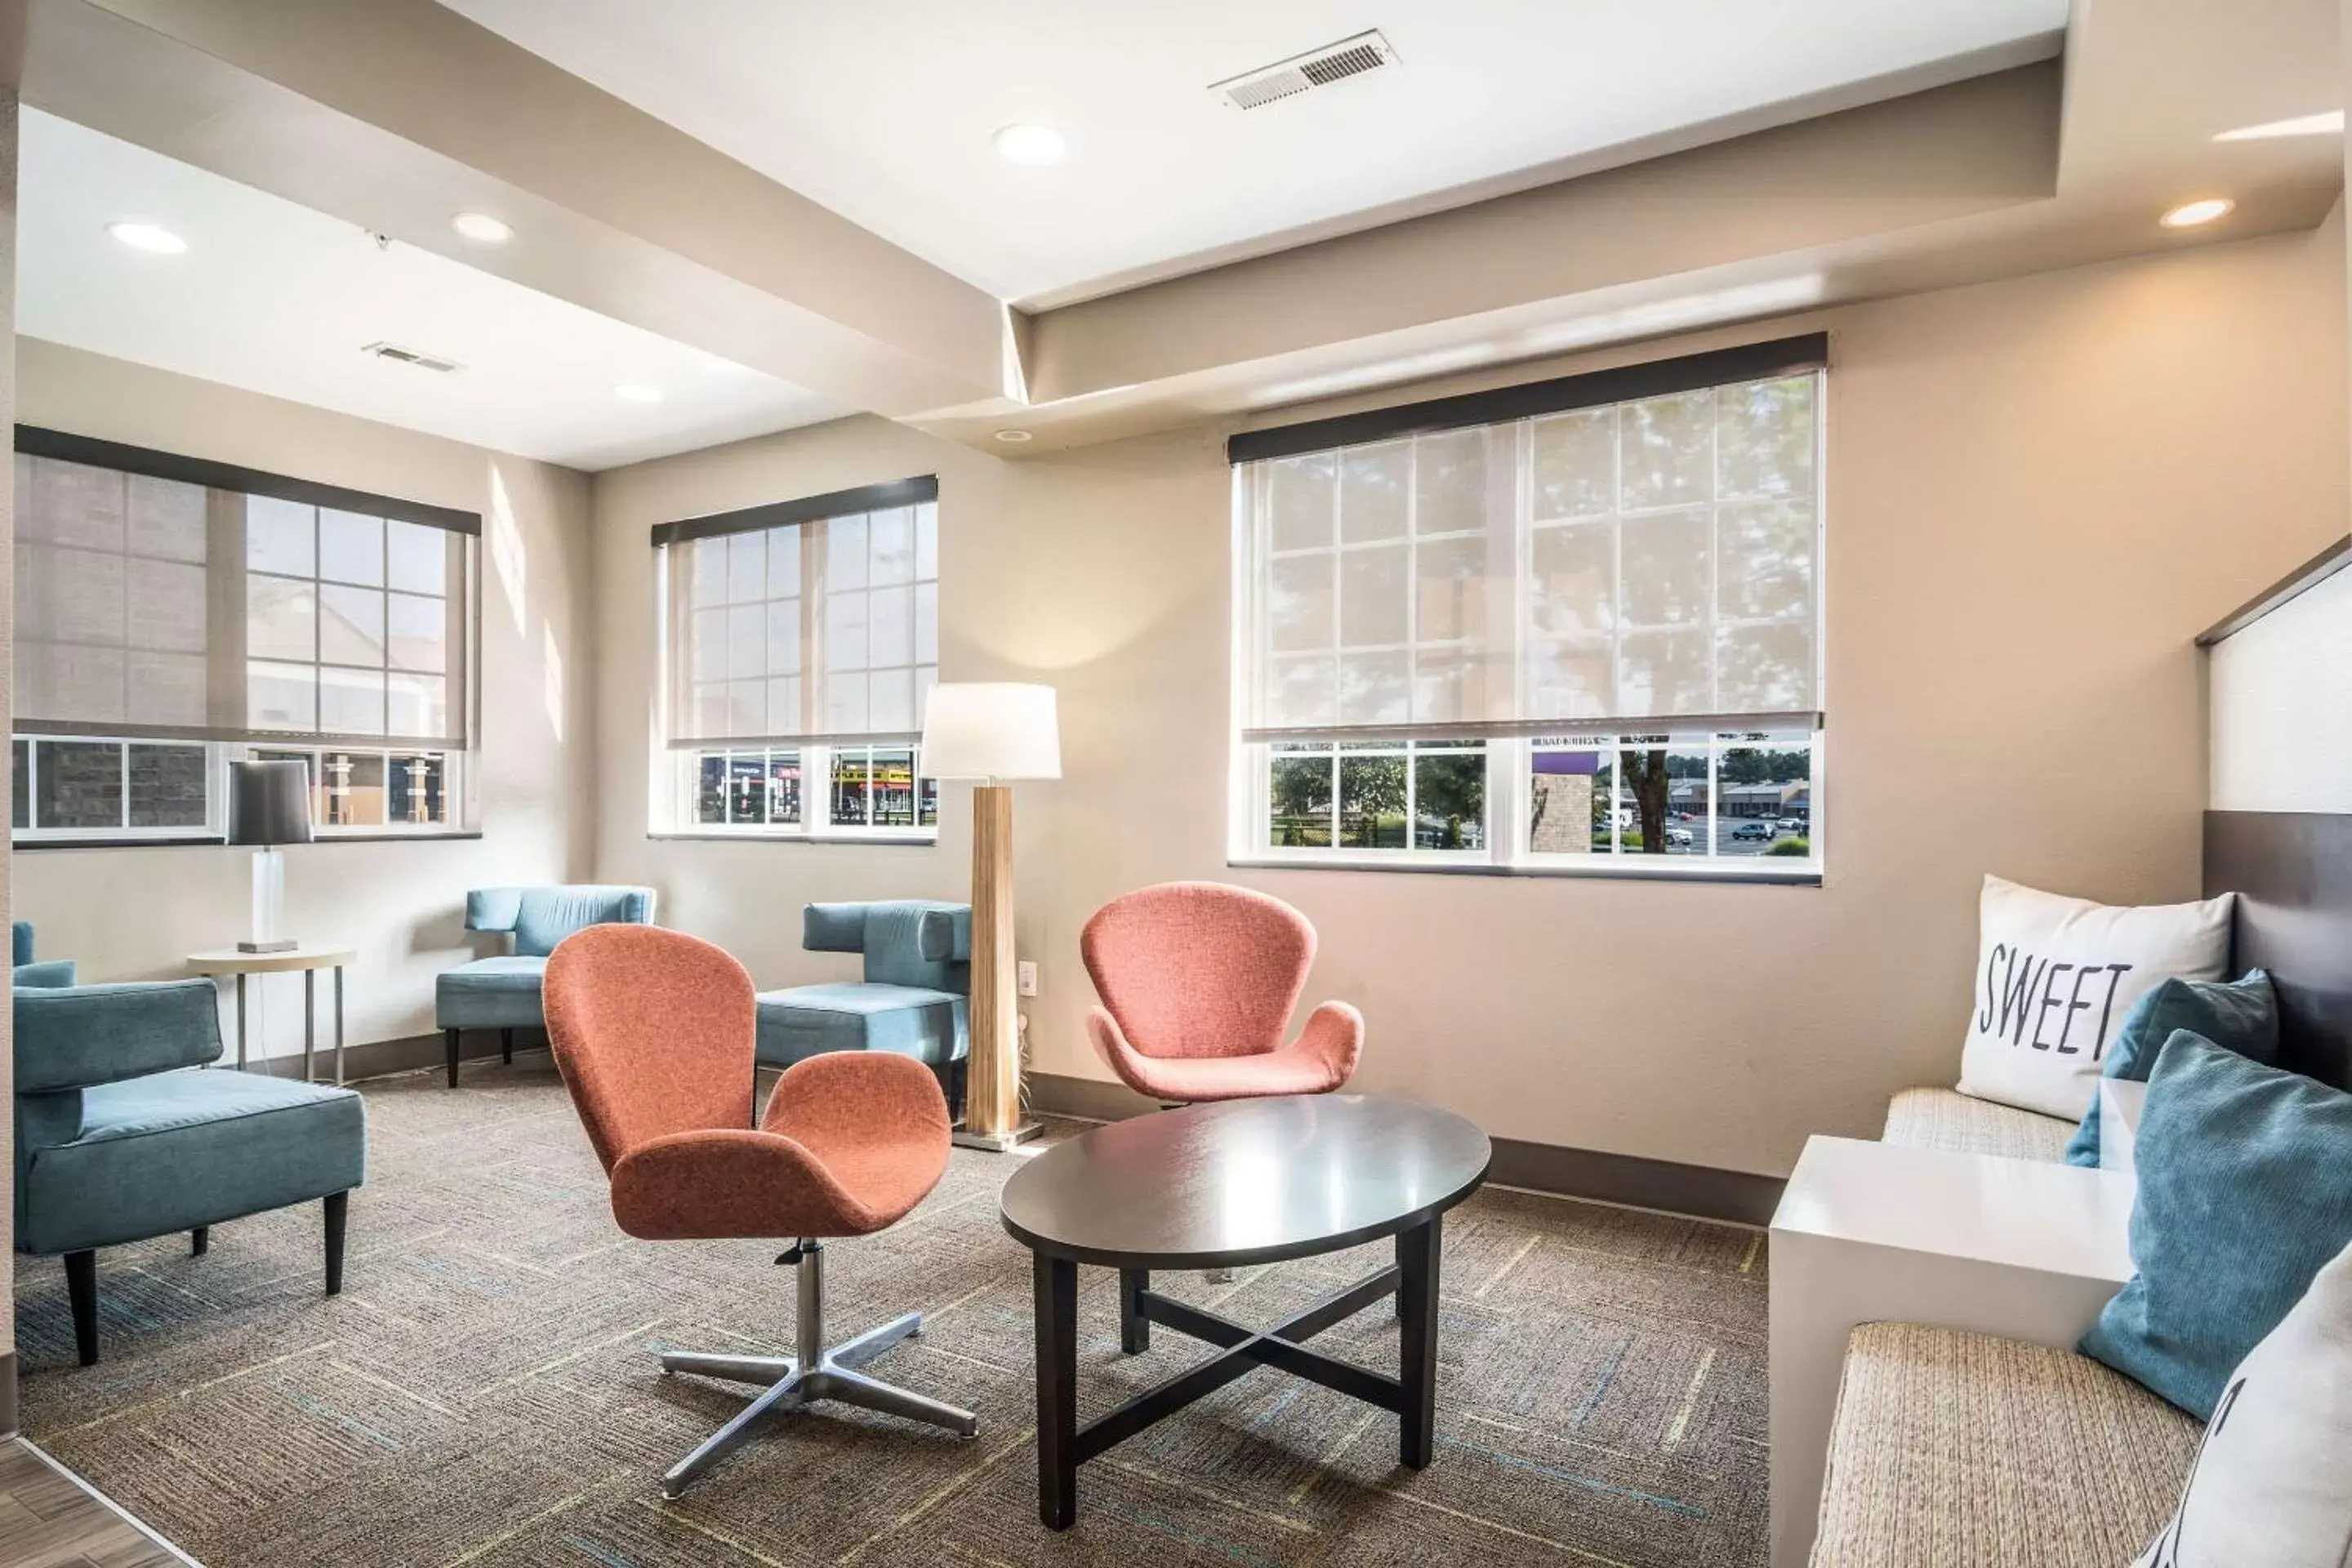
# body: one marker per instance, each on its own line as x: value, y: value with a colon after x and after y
x: 2292, y: 874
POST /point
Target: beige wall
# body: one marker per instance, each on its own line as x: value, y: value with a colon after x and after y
x: 135, y: 913
x: 2039, y: 491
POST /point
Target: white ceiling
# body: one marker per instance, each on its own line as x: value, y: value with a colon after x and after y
x: 278, y: 299
x: 883, y: 113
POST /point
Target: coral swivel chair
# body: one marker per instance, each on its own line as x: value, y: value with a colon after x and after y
x: 653, y: 1031
x: 1198, y: 981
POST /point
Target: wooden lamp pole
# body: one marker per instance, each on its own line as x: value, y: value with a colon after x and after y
x: 991, y: 1096
x: 992, y: 731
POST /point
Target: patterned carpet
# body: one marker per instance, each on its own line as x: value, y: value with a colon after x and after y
x: 484, y: 1391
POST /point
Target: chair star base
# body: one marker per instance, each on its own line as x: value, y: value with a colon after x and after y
x: 815, y: 1373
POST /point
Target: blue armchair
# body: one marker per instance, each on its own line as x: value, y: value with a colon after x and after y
x: 912, y: 1000
x: 56, y: 971
x: 501, y: 992
x: 114, y: 1145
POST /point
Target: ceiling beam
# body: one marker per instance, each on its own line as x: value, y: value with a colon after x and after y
x: 1950, y: 152
x: 395, y: 114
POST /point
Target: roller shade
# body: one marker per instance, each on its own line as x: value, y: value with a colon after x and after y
x: 164, y: 597
x: 813, y: 621
x: 1634, y: 551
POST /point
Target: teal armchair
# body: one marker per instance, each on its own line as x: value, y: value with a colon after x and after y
x: 29, y: 971
x: 501, y: 992
x: 911, y: 1001
x: 118, y: 1141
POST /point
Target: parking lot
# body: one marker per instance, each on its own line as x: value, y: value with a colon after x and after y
x: 1698, y: 827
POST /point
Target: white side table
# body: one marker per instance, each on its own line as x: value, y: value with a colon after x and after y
x: 309, y: 960
x: 1871, y: 1233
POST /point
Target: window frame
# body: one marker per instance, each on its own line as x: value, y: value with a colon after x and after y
x: 675, y: 797
x: 815, y: 761
x: 461, y: 665
x: 214, y: 827
x: 214, y: 830
x: 1510, y: 756
x: 453, y: 784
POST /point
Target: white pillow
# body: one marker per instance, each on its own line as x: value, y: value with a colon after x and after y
x: 2271, y: 1486
x: 2054, y: 977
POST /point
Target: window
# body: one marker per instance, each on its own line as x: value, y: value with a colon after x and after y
x: 799, y: 642
x: 1574, y: 626
x: 385, y: 791
x: 350, y: 621
x: 72, y: 788
x: 173, y: 614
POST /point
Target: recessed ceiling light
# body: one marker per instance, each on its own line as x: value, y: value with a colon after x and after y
x: 637, y: 392
x: 2328, y: 124
x: 1034, y: 145
x: 482, y: 228
x: 140, y: 235
x: 1012, y: 437
x: 2189, y: 214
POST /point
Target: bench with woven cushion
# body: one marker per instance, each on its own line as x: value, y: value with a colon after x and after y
x: 1946, y: 1119
x: 1953, y: 1448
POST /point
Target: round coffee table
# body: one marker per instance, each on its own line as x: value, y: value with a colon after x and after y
x: 1231, y: 1186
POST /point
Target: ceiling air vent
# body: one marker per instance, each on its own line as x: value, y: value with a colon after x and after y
x: 417, y: 357
x: 1304, y: 73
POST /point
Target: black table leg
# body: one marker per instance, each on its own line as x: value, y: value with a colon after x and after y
x: 1134, y: 1328
x: 1057, y: 1391
x: 1416, y: 1256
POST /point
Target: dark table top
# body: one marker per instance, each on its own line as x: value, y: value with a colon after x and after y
x: 1244, y: 1182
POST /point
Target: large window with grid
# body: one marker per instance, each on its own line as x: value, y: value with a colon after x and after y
x: 799, y: 642
x: 1571, y: 625
x: 175, y: 613
x: 351, y: 623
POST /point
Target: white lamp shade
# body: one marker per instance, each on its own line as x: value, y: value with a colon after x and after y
x: 990, y: 730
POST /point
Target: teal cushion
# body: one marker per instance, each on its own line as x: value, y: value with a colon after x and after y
x: 545, y: 916
x: 2241, y: 1015
x: 2245, y: 1194
x: 499, y: 993
x: 805, y: 1021
x: 173, y: 1151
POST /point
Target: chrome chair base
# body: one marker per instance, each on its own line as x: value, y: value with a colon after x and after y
x: 797, y: 1381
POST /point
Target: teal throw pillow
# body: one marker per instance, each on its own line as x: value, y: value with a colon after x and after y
x: 2245, y: 1194
x: 2241, y: 1015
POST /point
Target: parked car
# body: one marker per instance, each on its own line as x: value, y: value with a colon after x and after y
x: 1753, y: 830
x: 1678, y: 838
x: 1792, y: 824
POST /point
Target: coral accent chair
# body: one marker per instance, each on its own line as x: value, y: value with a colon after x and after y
x: 1198, y: 981
x: 653, y: 1032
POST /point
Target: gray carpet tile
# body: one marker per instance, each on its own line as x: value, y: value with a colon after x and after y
x: 484, y: 1391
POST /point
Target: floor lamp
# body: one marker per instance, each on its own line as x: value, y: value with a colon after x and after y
x: 992, y: 731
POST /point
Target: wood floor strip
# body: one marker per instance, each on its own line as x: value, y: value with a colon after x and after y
x: 49, y: 1519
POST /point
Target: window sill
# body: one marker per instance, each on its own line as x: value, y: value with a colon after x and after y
x: 1804, y: 875
x: 21, y: 845
x: 859, y: 841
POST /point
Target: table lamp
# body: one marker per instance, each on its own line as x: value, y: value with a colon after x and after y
x: 993, y: 732
x: 268, y: 804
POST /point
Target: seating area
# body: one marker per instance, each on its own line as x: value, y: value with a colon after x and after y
x: 1481, y: 784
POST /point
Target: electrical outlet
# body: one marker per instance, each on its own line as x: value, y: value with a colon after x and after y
x: 1025, y: 973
